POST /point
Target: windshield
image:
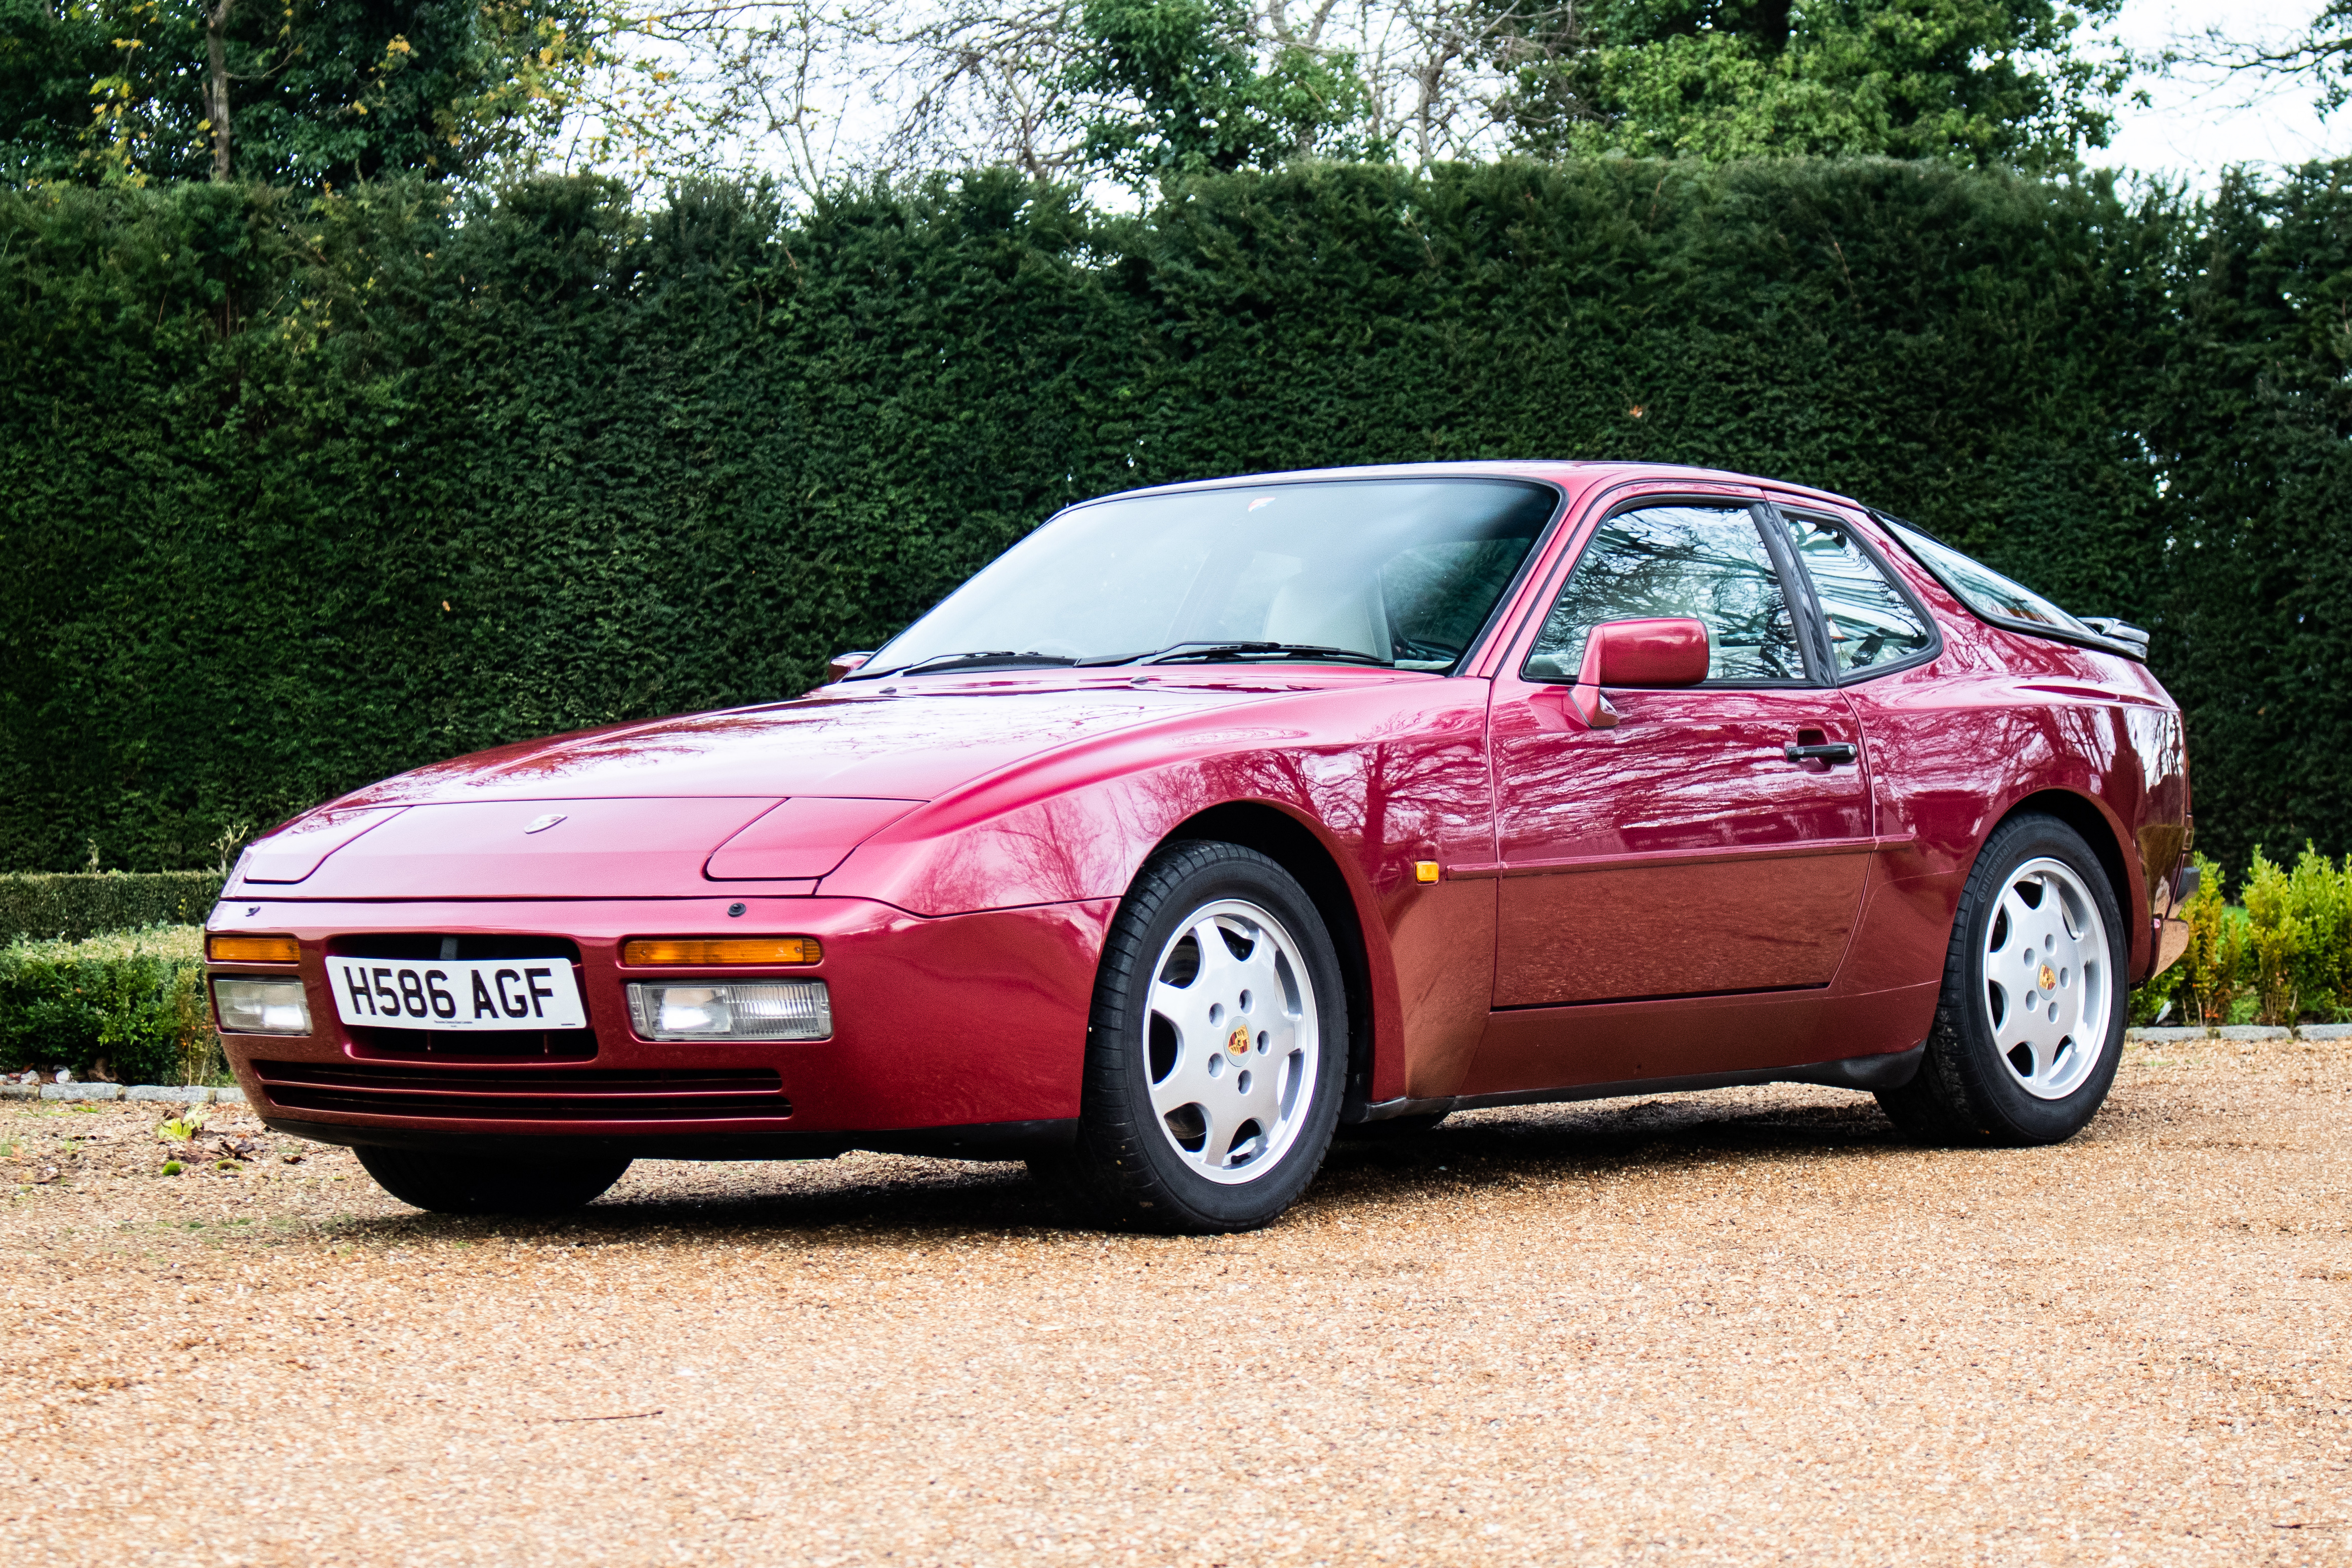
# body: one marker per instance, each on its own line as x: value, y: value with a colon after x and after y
x: 1393, y: 571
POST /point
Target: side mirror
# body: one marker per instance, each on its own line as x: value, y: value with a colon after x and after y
x: 842, y: 663
x: 1664, y: 652
x: 1660, y: 652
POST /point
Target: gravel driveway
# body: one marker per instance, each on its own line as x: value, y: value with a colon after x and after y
x: 1740, y: 1327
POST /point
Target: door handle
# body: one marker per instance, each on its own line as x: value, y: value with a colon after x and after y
x: 1835, y: 752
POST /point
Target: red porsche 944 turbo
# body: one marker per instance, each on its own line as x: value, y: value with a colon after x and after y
x: 1209, y: 821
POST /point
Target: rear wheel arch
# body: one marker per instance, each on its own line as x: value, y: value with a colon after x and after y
x: 2083, y: 814
x: 1294, y: 846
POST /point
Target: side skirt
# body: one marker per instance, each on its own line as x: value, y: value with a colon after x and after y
x: 1892, y: 1070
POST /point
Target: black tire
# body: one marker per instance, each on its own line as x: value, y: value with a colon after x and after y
x: 1966, y: 1091
x: 470, y: 1183
x: 1394, y: 1130
x: 1130, y: 1168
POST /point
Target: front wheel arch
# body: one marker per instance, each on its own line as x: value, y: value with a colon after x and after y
x: 1294, y: 846
x: 1131, y: 1165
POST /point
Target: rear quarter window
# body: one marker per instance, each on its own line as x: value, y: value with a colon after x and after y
x: 2000, y: 600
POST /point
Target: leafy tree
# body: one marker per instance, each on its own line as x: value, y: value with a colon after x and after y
x: 1165, y: 88
x: 289, y: 91
x: 1984, y: 82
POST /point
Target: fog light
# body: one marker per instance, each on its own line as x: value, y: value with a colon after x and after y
x: 754, y: 1010
x: 262, y: 1007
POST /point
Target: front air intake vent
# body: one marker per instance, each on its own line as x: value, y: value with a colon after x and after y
x: 517, y: 1045
x: 455, y: 1092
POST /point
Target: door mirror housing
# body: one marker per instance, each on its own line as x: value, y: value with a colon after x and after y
x: 1664, y: 652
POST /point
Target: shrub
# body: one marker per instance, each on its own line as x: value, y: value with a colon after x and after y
x: 2319, y: 899
x: 2276, y: 942
x: 130, y: 1006
x: 2288, y: 948
x: 2216, y: 958
x: 74, y: 905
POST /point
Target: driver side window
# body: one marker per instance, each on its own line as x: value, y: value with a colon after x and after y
x: 1706, y: 562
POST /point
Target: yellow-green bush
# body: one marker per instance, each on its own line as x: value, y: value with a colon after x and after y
x: 2283, y: 953
x: 131, y: 1003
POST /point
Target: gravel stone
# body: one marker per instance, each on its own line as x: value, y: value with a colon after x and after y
x: 1741, y: 1327
x: 2246, y: 1032
x: 2324, y: 1032
x: 2164, y: 1034
x: 229, y: 1096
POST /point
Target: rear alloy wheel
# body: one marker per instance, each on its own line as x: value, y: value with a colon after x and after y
x: 1217, y: 1050
x: 473, y: 1183
x: 2030, y: 1026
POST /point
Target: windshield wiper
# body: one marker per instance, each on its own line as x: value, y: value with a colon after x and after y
x: 1212, y: 649
x: 998, y: 659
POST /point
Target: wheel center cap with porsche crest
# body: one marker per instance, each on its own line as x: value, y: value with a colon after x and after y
x: 1237, y: 1042
x: 2049, y: 978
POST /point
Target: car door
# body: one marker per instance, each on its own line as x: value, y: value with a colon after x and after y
x: 1688, y: 850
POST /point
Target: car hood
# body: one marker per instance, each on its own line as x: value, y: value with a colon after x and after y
x: 644, y: 809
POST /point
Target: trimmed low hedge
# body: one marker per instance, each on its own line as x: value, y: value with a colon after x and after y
x: 70, y: 905
x: 128, y: 1005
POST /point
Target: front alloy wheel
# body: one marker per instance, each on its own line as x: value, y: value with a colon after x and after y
x: 1217, y: 1050
x: 1231, y: 1040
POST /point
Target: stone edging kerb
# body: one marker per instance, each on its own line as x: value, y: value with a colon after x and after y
x: 170, y: 1093
x: 2243, y: 1031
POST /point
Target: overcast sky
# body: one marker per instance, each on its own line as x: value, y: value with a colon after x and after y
x: 2197, y: 127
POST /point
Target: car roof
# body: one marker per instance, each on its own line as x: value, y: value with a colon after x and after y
x: 1577, y: 473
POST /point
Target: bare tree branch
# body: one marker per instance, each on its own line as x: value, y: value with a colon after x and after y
x: 822, y: 92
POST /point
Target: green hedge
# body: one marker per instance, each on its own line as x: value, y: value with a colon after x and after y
x: 298, y: 492
x: 130, y: 1006
x: 2251, y: 423
x: 74, y: 905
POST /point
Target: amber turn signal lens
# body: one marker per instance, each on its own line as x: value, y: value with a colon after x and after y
x: 253, y: 950
x: 1425, y: 870
x: 722, y: 950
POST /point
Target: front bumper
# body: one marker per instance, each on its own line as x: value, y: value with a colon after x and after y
x: 959, y: 1034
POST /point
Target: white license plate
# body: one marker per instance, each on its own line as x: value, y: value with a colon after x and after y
x: 458, y: 993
